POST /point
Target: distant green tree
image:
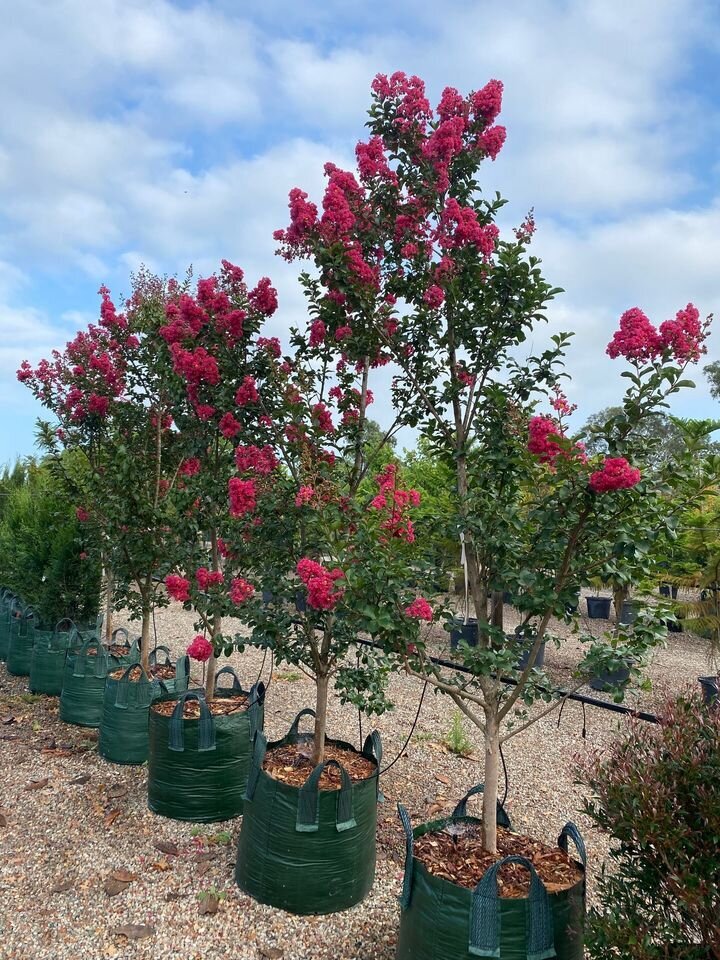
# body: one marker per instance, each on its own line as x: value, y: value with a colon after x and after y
x: 662, y: 438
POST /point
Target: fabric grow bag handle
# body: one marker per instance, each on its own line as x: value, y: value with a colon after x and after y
x: 124, y: 684
x: 485, y: 915
x: 259, y: 749
x: 294, y: 726
x: 206, y: 726
x: 460, y: 810
x: 69, y: 621
x: 123, y: 631
x: 236, y: 685
x: 182, y: 672
x: 308, y: 811
x: 101, y: 659
x: 254, y: 708
x: 571, y: 832
x: 408, y: 874
x: 153, y: 657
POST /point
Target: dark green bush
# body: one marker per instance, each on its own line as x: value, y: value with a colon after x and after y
x: 657, y: 793
x: 45, y: 555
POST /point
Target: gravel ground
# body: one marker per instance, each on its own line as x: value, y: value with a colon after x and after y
x: 60, y: 840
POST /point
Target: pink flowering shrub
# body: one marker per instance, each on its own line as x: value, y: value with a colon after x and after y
x: 178, y: 587
x: 615, y: 474
x: 200, y: 649
x: 419, y: 609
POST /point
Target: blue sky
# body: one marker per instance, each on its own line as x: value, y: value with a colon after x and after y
x: 170, y: 133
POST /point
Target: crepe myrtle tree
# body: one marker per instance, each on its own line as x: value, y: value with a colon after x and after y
x: 410, y: 263
x: 221, y: 371
x: 110, y: 406
x: 325, y: 522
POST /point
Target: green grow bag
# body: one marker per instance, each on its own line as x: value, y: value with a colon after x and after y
x: 50, y: 648
x: 20, y: 645
x: 160, y: 657
x: 124, y: 726
x: 198, y: 768
x: 306, y: 850
x: 6, y: 599
x: 84, y: 677
x: 441, y: 920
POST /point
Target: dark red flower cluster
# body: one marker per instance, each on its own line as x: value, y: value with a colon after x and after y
x: 243, y: 496
x: 240, y: 590
x: 419, y: 609
x: 638, y: 340
x: 200, y: 649
x: 208, y: 578
x: 252, y: 459
x: 177, y: 587
x: 321, y: 584
x: 615, y: 474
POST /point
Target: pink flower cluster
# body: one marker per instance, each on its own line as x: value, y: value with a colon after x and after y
x: 240, y: 590
x: 178, y: 587
x: 395, y: 504
x: 195, y: 366
x: 639, y: 340
x: 419, y: 609
x: 208, y: 578
x: 264, y: 297
x: 321, y: 584
x: 304, y: 496
x: 82, y: 515
x: 541, y: 431
x: 247, y: 392
x: 243, y: 496
x: 228, y: 426
x: 615, y: 474
x: 190, y: 467
x: 252, y: 459
x: 460, y: 227
x: 200, y: 649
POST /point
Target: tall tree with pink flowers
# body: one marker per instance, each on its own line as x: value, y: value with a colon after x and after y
x: 412, y: 268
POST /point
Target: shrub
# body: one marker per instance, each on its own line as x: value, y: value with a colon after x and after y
x: 656, y: 792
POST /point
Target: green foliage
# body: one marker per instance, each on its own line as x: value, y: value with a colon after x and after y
x: 457, y: 741
x: 46, y: 555
x: 656, y: 793
x: 660, y: 439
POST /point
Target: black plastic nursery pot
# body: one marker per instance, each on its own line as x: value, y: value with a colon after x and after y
x: 441, y: 920
x: 306, y: 850
x: 598, y: 608
x: 607, y: 679
x: 20, y: 644
x: 83, y: 688
x: 47, y: 665
x: 6, y: 599
x: 464, y: 630
x: 629, y: 612
x: 198, y: 768
x: 523, y: 661
x: 710, y: 687
x: 666, y: 590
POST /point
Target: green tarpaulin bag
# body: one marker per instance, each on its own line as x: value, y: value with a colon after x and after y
x: 6, y: 599
x: 198, y: 768
x: 124, y: 725
x: 84, y: 677
x: 306, y: 850
x: 160, y: 657
x: 441, y: 920
x: 47, y: 665
x: 20, y: 645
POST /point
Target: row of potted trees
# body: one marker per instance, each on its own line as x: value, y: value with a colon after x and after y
x: 248, y: 473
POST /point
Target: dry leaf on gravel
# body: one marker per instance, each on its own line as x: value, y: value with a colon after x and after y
x: 443, y: 779
x: 3, y: 820
x: 167, y: 846
x: 271, y: 953
x: 202, y: 868
x: 119, y: 790
x: 38, y: 784
x: 124, y: 876
x: 133, y: 931
x: 112, y: 817
x: 62, y: 886
x: 7, y: 720
x: 78, y: 781
x: 161, y: 866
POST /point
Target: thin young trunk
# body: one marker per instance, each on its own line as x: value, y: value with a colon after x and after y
x: 620, y: 595
x: 145, y: 638
x: 321, y: 702
x: 108, y: 603
x: 211, y: 669
x: 492, y: 775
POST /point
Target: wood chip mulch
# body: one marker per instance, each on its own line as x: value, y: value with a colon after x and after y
x: 191, y: 708
x: 294, y: 763
x: 160, y: 672
x: 455, y: 853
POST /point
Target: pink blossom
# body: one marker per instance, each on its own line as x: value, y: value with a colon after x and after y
x: 190, y: 467
x: 208, y: 578
x: 260, y: 460
x: 229, y: 427
x: 247, y: 392
x: 263, y: 297
x: 304, y: 496
x: 200, y: 649
x: 434, y: 296
x: 177, y: 587
x: 452, y: 104
x: 243, y: 496
x: 637, y: 339
x: 487, y: 102
x: 541, y: 430
x: 317, y: 333
x: 342, y: 333
x: 270, y: 344
x: 240, y: 590
x: 303, y: 219
x: 82, y: 515
x: 320, y: 583
x: 419, y: 609
x: 323, y: 418
x: 372, y: 162
x: 492, y: 140
x: 684, y: 335
x: 615, y: 474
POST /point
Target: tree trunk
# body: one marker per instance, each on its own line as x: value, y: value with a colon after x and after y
x: 108, y: 602
x: 145, y: 639
x: 492, y: 775
x: 321, y: 701
x: 620, y: 595
x: 212, y: 662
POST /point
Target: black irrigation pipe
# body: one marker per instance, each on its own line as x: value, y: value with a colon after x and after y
x: 578, y: 697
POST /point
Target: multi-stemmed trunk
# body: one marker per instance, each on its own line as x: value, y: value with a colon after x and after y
x: 322, y: 684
